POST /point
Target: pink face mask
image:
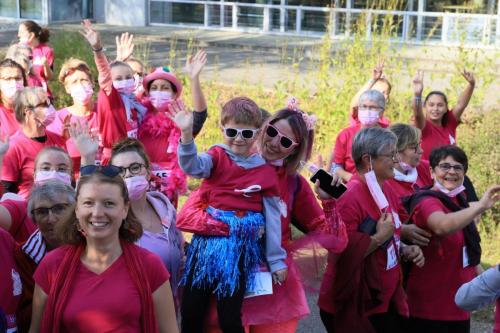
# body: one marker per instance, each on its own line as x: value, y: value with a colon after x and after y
x: 81, y: 93
x: 374, y: 188
x: 9, y: 88
x: 160, y: 99
x: 451, y: 193
x: 50, y: 115
x: 136, y: 186
x: 124, y: 86
x: 368, y: 117
x: 43, y: 176
x: 138, y: 89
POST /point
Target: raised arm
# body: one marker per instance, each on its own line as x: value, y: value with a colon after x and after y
x: 94, y: 39
x: 194, y: 66
x: 443, y: 224
x: 418, y: 112
x: 465, y: 96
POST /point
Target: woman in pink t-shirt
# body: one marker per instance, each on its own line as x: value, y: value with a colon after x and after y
x: 101, y: 281
x: 12, y: 79
x: 76, y: 77
x: 34, y: 35
x: 439, y: 123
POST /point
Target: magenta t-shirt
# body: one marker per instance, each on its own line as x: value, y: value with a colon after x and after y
x: 10, y: 280
x: 19, y: 161
x: 106, y: 302
x: 435, y: 136
x: 42, y: 50
x: 8, y: 122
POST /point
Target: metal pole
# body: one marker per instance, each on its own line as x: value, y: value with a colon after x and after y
x: 420, y: 18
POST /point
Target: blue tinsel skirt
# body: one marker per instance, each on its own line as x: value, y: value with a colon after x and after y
x: 212, y: 261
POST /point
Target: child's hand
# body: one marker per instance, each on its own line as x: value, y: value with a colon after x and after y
x: 181, y: 116
x: 280, y: 276
x: 86, y: 142
x: 195, y: 64
x: 124, y: 46
x: 91, y: 35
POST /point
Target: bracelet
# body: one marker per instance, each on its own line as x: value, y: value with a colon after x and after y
x: 98, y: 50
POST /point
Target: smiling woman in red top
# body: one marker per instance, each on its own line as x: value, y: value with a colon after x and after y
x: 454, y: 250
x: 439, y: 123
x: 102, y: 282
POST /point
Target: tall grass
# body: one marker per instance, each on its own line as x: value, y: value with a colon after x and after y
x: 337, y: 71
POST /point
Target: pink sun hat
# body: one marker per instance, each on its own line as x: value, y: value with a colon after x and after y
x: 164, y: 74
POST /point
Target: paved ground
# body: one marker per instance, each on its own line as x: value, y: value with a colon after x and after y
x: 257, y: 59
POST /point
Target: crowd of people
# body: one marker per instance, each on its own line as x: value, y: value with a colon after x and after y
x: 92, y: 235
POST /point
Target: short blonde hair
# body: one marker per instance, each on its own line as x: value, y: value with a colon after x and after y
x: 29, y: 97
x: 407, y: 135
x: 70, y: 66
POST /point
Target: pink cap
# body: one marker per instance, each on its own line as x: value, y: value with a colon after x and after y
x: 163, y: 73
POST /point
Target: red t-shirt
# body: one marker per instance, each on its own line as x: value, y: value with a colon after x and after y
x: 10, y: 280
x: 57, y: 127
x: 112, y: 120
x: 42, y: 50
x: 106, y: 302
x: 22, y: 226
x: 435, y: 136
x: 19, y: 161
x: 8, y: 122
x: 354, y: 207
x: 431, y: 289
x: 224, y: 188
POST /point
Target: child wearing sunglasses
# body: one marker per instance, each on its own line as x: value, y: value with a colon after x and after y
x: 240, y: 190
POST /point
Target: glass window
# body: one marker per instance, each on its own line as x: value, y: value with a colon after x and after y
x: 8, y: 8
x: 31, y: 9
x: 163, y: 12
x: 71, y: 10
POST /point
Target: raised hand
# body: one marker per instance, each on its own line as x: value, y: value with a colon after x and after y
x: 124, y: 46
x: 66, y: 126
x: 92, y: 36
x: 490, y: 197
x: 378, y: 70
x: 418, y: 83
x: 195, y: 64
x: 4, y: 144
x: 469, y: 76
x: 86, y: 142
x: 181, y: 116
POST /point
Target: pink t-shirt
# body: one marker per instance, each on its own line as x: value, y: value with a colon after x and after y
x: 19, y: 161
x: 57, y: 127
x: 431, y: 289
x: 8, y: 122
x: 106, y: 302
x: 435, y: 136
x: 10, y: 280
x: 42, y: 50
x: 22, y: 226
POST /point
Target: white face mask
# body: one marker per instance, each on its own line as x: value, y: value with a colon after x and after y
x: 410, y: 177
x: 375, y: 189
x: 160, y: 99
x: 124, y: 86
x: 368, y: 117
x: 81, y: 93
x: 9, y: 88
x: 451, y: 193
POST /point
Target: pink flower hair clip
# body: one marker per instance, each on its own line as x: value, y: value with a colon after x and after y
x: 310, y: 120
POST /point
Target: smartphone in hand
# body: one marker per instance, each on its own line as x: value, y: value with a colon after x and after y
x: 325, y: 183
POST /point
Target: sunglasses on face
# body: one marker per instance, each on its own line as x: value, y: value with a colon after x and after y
x: 245, y: 133
x: 285, y: 141
x: 43, y: 212
x: 107, y: 170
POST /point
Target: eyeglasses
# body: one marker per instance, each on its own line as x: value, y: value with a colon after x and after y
x: 107, y: 170
x: 244, y: 132
x: 446, y: 167
x: 393, y: 156
x: 285, y: 141
x: 43, y: 212
x: 415, y: 148
x: 134, y: 169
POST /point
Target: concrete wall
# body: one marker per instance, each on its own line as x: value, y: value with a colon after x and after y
x: 125, y: 12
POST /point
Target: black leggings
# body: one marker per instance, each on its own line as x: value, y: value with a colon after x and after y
x: 438, y: 326
x: 195, y: 303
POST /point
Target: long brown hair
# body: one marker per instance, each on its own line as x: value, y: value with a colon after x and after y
x: 130, y: 230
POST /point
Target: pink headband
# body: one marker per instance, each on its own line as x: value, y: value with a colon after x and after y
x: 310, y: 120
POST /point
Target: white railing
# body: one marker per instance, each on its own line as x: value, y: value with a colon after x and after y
x: 416, y: 27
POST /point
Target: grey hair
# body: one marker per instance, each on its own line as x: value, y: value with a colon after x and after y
x: 372, y: 141
x: 50, y: 190
x: 373, y: 95
x: 29, y: 97
x: 17, y: 49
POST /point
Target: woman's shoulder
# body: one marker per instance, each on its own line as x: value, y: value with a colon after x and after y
x: 53, y: 259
